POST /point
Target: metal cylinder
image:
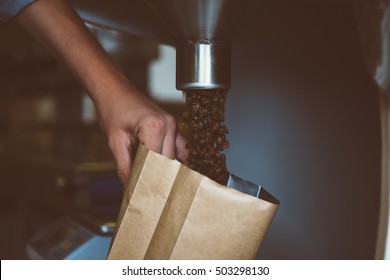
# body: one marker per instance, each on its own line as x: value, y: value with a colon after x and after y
x: 203, y: 31
x: 203, y: 64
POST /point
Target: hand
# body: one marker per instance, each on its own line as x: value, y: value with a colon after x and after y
x: 129, y: 118
x: 126, y: 116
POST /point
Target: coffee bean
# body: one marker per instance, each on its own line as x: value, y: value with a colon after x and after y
x: 219, y: 140
x: 222, y: 130
x: 219, y: 117
x: 218, y: 171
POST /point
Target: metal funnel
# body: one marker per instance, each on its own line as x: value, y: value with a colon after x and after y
x: 202, y: 30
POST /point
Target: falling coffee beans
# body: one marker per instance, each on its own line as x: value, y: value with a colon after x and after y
x: 207, y: 139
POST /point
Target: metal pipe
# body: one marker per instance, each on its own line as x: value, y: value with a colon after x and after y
x: 202, y: 30
x: 203, y: 65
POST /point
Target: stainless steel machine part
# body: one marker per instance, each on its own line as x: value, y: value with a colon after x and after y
x: 202, y: 30
x: 202, y: 65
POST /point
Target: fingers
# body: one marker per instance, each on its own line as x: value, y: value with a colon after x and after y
x: 158, y: 133
x: 151, y: 133
x: 120, y: 147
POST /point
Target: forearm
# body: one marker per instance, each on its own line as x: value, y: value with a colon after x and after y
x: 56, y: 26
x: 125, y: 116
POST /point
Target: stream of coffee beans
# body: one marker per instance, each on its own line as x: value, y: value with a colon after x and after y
x: 204, y: 117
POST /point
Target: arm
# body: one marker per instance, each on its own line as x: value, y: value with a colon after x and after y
x: 126, y: 116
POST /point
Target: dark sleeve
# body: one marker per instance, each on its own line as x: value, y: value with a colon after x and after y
x: 10, y: 8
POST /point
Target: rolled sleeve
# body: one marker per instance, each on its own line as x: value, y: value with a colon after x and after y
x: 10, y: 8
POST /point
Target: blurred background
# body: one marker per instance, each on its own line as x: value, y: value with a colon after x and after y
x: 304, y: 115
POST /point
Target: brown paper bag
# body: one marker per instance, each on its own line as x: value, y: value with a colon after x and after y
x: 172, y: 212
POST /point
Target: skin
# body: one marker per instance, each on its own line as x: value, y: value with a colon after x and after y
x: 126, y: 116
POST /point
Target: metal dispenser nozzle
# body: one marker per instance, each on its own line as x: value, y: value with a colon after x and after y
x: 202, y: 31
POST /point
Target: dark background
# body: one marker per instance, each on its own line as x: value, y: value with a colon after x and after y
x: 304, y: 122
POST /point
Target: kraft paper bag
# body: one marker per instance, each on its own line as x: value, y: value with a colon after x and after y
x: 172, y: 212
